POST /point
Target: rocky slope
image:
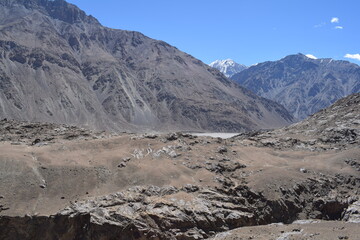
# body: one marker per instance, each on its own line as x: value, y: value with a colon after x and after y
x: 228, y: 67
x: 59, y: 65
x: 336, y: 127
x: 303, y: 85
x: 179, y: 186
x: 40, y: 134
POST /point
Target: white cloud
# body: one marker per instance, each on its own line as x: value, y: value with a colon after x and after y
x: 334, y: 20
x: 311, y: 56
x: 339, y: 27
x: 320, y: 25
x: 353, y: 56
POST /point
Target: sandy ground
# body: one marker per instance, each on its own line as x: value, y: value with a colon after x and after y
x: 42, y: 180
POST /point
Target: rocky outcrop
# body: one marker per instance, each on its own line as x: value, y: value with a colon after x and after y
x: 41, y: 134
x: 59, y: 65
x: 190, y: 212
x: 303, y: 85
x: 352, y: 213
x: 336, y: 127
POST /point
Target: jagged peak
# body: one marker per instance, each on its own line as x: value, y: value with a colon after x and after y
x: 298, y: 56
x: 225, y: 62
x: 57, y: 9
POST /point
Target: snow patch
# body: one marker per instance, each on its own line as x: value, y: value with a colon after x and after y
x: 311, y: 56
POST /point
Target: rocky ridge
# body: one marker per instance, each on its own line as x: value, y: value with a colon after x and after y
x: 336, y: 127
x: 156, y: 213
x: 159, y: 212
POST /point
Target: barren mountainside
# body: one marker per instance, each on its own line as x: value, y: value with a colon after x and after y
x: 59, y: 65
x: 302, y: 85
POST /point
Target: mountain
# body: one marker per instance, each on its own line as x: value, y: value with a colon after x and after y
x: 59, y: 65
x: 228, y: 67
x: 303, y: 85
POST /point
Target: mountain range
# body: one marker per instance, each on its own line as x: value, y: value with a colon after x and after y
x: 160, y: 180
x: 228, y: 67
x: 301, y: 84
x: 59, y: 65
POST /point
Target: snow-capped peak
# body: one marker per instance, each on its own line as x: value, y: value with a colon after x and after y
x: 228, y: 67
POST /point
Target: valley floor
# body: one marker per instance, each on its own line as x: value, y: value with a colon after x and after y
x: 178, y: 186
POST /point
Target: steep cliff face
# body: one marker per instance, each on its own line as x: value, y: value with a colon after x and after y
x: 303, y: 85
x: 59, y: 65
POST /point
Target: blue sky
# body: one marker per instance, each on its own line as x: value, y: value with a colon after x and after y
x: 247, y: 31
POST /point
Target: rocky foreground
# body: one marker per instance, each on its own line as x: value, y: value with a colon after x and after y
x: 178, y: 186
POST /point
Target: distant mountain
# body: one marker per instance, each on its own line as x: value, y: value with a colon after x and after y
x: 301, y: 84
x: 59, y: 65
x: 228, y: 67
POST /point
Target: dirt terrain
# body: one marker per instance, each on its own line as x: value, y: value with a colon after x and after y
x: 91, y: 185
x: 300, y: 230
